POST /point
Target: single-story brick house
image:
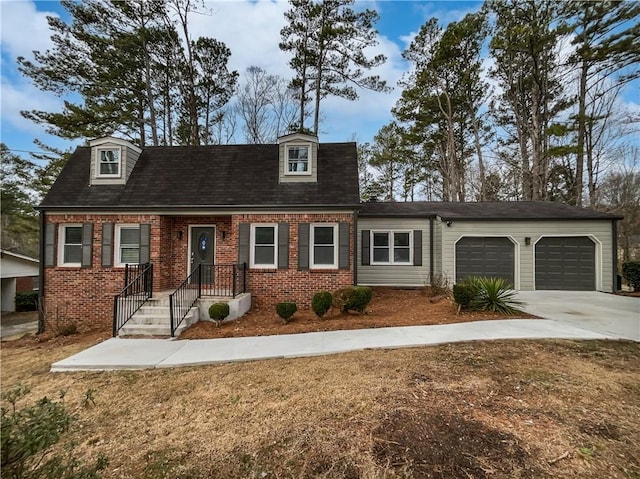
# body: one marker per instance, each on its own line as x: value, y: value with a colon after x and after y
x: 19, y: 275
x: 281, y: 222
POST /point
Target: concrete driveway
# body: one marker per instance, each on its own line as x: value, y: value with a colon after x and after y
x: 617, y: 316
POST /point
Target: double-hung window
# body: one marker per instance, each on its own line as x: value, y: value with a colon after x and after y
x: 127, y: 244
x: 324, y: 246
x: 70, y: 245
x: 108, y: 162
x: 264, y: 246
x: 391, y: 247
x: 298, y: 160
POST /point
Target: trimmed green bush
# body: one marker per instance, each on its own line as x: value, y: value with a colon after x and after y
x: 27, y: 301
x: 463, y: 294
x: 321, y: 303
x: 352, y: 298
x: 286, y: 310
x: 631, y: 272
x: 218, y: 311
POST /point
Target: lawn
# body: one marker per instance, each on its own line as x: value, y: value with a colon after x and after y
x: 502, y: 409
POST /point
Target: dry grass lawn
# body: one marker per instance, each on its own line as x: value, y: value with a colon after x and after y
x: 504, y: 409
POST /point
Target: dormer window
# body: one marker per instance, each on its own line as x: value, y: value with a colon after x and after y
x: 298, y: 160
x: 108, y: 163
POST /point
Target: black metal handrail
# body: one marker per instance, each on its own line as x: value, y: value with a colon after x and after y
x: 134, y: 294
x: 184, y: 297
x: 206, y: 280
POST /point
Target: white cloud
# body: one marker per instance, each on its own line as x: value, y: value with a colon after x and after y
x: 24, y: 29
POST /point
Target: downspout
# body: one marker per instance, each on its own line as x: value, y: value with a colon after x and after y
x: 41, y: 275
x: 355, y: 247
x: 431, y: 271
x: 614, y: 254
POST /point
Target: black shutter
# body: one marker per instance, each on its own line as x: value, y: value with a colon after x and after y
x: 283, y: 245
x: 87, y: 245
x: 243, y: 243
x: 417, y: 247
x: 366, y: 248
x: 145, y: 244
x: 107, y: 245
x: 50, y: 244
x: 343, y: 251
x: 303, y: 246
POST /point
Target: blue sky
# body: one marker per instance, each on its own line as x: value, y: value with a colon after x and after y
x: 251, y: 30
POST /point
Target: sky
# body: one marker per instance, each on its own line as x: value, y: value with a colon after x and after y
x: 251, y: 29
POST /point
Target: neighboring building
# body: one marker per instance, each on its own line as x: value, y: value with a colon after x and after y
x: 19, y: 274
x: 290, y: 212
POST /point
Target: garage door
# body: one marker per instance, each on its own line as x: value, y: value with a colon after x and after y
x: 567, y: 263
x: 485, y: 257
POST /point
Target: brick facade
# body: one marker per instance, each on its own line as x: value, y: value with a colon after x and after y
x: 85, y: 295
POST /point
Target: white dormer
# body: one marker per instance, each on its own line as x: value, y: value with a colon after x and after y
x: 298, y: 158
x: 112, y: 160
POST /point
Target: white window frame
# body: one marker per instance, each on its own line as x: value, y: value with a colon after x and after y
x: 62, y: 244
x: 309, y: 160
x: 117, y: 254
x: 336, y: 246
x: 98, y: 162
x: 391, y: 236
x: 252, y: 246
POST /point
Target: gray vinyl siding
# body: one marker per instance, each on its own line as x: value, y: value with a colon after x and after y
x: 524, y: 255
x: 394, y: 275
x: 130, y: 159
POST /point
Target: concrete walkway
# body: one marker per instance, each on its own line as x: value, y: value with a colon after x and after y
x: 575, y: 315
x: 119, y: 353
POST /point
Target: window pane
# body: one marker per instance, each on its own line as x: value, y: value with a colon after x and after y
x: 299, y: 153
x: 129, y: 236
x: 380, y: 255
x: 109, y: 162
x: 323, y: 255
x: 72, y: 254
x: 380, y: 239
x: 129, y: 255
x: 264, y: 255
x: 265, y: 234
x: 323, y: 235
x: 73, y: 235
x: 401, y: 239
x: 401, y: 255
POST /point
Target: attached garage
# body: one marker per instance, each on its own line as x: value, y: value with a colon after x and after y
x: 485, y: 256
x: 565, y: 263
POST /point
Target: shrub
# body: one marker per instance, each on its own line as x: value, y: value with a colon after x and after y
x: 286, y: 310
x: 29, y: 435
x: 493, y: 294
x: 439, y: 285
x: 352, y: 298
x: 463, y: 294
x: 631, y: 272
x: 321, y: 303
x: 68, y: 329
x: 218, y: 311
x: 27, y: 301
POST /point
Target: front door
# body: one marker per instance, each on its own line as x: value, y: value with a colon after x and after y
x: 203, y: 251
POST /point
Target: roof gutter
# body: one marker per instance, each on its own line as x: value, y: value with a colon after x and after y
x: 189, y: 208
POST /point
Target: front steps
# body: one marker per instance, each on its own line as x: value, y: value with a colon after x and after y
x: 154, y: 319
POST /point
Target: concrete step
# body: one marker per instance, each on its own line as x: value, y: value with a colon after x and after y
x: 156, y: 324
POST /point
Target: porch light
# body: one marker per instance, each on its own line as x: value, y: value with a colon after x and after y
x: 179, y: 235
x: 224, y: 234
x: 527, y: 241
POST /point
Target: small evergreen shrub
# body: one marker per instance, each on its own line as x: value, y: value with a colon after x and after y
x: 352, y: 298
x: 286, y: 310
x: 631, y: 272
x: 218, y: 311
x: 27, y: 301
x: 463, y: 294
x: 29, y: 437
x: 321, y: 303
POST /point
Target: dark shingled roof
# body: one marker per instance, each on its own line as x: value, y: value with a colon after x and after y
x: 208, y: 177
x: 490, y: 210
